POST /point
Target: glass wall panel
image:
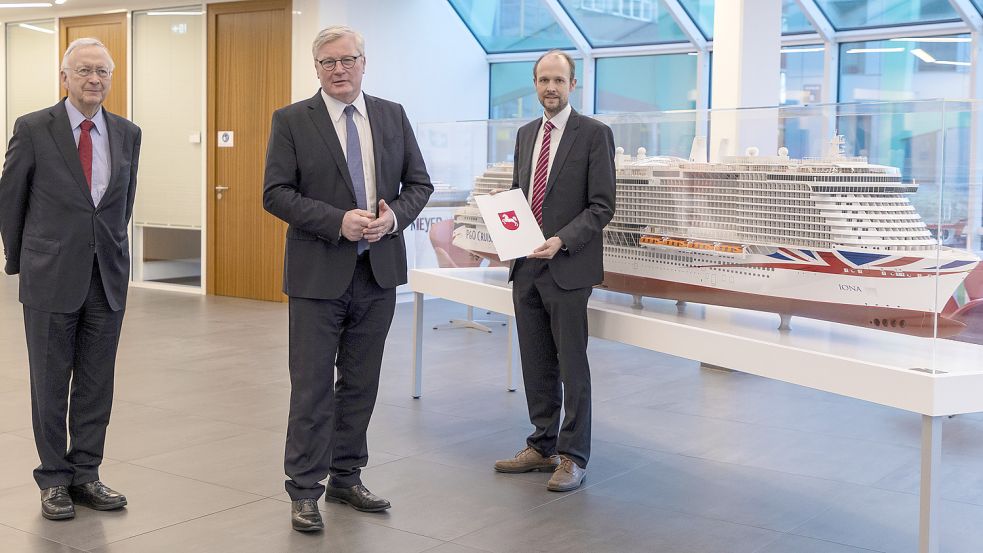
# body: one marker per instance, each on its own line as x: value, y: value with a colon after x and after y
x: 32, y: 69
x: 793, y: 20
x: 623, y: 23
x: 511, y: 25
x: 905, y: 69
x: 979, y: 5
x: 167, y: 104
x: 859, y: 14
x: 513, y: 93
x: 701, y: 11
x: 646, y: 83
x: 802, y: 83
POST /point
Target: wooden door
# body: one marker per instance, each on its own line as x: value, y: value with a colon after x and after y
x: 248, y: 78
x: 109, y: 28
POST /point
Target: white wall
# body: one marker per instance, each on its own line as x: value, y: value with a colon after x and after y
x: 418, y: 53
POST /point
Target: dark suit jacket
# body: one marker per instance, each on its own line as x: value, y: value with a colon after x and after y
x: 51, y: 230
x: 580, y: 196
x: 307, y: 185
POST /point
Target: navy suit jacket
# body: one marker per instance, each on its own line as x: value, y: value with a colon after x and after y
x: 307, y: 184
x: 580, y: 196
x: 51, y: 230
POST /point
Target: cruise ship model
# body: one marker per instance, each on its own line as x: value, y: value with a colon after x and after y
x: 833, y: 238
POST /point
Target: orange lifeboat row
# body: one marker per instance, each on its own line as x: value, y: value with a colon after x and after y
x: 690, y: 244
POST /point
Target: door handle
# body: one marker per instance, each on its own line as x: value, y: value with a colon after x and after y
x: 219, y: 190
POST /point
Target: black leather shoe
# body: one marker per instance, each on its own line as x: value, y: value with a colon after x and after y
x: 56, y: 504
x: 304, y: 516
x: 97, y: 495
x: 358, y: 496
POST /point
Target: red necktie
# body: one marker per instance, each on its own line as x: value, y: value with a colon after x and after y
x: 85, y: 150
x: 542, y: 168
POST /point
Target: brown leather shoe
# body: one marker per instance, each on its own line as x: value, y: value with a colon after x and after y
x: 527, y: 460
x: 567, y: 477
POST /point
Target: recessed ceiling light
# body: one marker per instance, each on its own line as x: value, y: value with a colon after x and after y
x: 873, y: 50
x: 175, y: 13
x: 923, y: 55
x: 799, y: 50
x: 59, y: 2
x: 36, y: 28
x: 932, y: 39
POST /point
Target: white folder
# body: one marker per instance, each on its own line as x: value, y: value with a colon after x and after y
x: 511, y: 224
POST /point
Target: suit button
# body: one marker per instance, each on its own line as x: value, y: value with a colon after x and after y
x: 92, y: 245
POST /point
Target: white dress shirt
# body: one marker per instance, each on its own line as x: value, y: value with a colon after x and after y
x: 336, y: 110
x: 559, y: 122
x: 100, y: 148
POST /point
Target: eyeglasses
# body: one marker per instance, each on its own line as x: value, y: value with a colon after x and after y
x: 100, y: 72
x: 347, y: 62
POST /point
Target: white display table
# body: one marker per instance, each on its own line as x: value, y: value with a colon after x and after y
x: 934, y: 378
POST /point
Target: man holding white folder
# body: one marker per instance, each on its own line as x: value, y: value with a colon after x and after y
x: 564, y: 164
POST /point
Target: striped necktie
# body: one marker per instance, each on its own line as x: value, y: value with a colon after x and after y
x: 542, y: 169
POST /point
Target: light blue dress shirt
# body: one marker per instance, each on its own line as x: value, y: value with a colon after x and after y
x: 100, y: 148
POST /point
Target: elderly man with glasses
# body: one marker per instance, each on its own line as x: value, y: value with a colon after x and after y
x: 66, y: 196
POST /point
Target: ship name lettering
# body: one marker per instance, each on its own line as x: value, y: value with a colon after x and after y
x: 424, y: 223
x: 850, y: 288
x: 474, y: 234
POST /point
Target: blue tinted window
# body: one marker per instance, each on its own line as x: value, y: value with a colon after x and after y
x: 513, y: 93
x: 802, y: 75
x: 793, y: 20
x: 858, y: 14
x: 511, y: 25
x: 701, y: 11
x: 623, y: 23
x: 905, y: 69
x: 646, y: 83
x: 802, y: 83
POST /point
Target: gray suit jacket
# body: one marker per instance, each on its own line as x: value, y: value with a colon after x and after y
x: 307, y: 184
x: 580, y: 196
x: 50, y: 228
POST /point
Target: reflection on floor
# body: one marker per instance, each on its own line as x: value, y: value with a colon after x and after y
x: 685, y: 459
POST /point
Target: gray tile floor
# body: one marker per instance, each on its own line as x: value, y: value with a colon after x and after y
x: 685, y: 459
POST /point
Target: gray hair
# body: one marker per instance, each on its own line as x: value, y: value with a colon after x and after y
x: 562, y: 54
x: 84, y: 43
x: 335, y: 32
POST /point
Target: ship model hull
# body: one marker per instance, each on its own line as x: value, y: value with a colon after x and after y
x: 895, y: 319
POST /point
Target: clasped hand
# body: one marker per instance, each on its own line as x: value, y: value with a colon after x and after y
x: 360, y: 224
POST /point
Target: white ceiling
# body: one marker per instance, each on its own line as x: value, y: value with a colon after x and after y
x: 82, y: 7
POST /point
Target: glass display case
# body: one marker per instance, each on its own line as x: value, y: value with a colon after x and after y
x: 866, y: 217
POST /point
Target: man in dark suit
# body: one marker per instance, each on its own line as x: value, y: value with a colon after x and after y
x: 333, y: 172
x: 66, y: 196
x: 564, y: 162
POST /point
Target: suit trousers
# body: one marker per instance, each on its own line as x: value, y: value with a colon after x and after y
x: 329, y: 418
x: 552, y: 326
x: 72, y: 358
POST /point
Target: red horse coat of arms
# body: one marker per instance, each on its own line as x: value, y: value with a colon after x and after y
x: 509, y: 220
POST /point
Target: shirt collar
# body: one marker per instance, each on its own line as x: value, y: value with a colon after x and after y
x: 560, y: 119
x: 75, y: 117
x: 336, y: 108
